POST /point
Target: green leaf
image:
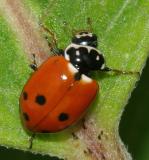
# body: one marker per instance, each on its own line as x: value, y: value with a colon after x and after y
x: 122, y: 28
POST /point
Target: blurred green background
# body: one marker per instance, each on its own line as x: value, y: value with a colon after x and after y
x: 134, y: 128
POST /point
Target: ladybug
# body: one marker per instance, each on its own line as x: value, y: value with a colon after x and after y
x: 60, y: 91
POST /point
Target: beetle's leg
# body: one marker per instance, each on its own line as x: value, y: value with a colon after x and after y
x: 107, y: 69
x: 83, y: 123
x: 31, y: 141
x: 59, y: 52
x: 74, y: 135
x: 34, y: 64
x: 77, y: 76
x: 53, y: 43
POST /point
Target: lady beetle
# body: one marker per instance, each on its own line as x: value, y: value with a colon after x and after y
x: 60, y: 90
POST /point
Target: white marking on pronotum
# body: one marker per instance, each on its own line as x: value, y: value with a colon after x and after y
x: 67, y: 57
x: 76, y: 46
x: 86, y: 79
x: 72, y: 68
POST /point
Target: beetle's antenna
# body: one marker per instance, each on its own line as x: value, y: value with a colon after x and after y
x: 107, y: 69
x: 53, y: 36
x: 74, y: 31
x: 89, y: 23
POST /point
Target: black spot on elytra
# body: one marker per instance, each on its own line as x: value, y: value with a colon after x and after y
x: 63, y: 117
x: 40, y: 99
x: 25, y: 95
x: 26, y: 117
